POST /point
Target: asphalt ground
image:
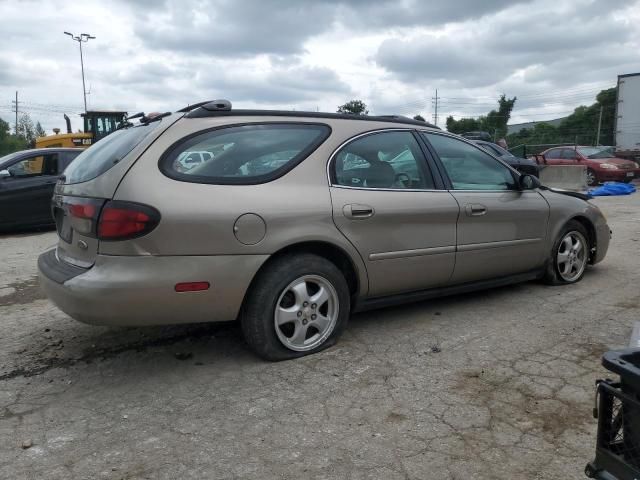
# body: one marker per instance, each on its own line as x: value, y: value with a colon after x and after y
x: 492, y: 385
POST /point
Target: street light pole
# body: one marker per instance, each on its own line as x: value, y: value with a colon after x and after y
x: 82, y: 38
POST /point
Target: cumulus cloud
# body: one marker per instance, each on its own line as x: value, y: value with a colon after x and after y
x: 161, y: 55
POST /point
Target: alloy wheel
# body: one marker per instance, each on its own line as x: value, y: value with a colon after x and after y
x: 572, y: 256
x: 306, y: 313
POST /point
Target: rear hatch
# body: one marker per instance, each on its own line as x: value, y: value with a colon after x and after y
x: 82, y: 205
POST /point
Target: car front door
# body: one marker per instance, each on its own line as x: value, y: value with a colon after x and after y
x: 501, y: 229
x: 569, y: 156
x: 387, y: 203
x: 25, y: 195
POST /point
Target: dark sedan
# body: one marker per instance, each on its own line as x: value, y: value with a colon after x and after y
x: 523, y: 165
x: 27, y: 179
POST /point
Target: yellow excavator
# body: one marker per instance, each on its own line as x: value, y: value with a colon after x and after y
x: 97, y: 125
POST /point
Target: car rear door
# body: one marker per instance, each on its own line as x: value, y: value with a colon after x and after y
x: 501, y: 229
x: 387, y: 203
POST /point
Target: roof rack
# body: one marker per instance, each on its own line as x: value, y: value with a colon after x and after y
x: 222, y: 108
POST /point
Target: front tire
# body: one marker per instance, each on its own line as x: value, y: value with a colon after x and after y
x: 592, y: 180
x: 298, y: 305
x: 569, y: 255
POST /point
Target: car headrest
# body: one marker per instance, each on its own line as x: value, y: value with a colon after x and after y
x: 380, y: 175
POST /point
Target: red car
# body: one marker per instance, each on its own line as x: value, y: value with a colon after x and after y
x: 602, y: 166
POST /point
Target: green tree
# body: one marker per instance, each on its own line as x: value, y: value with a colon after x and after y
x: 580, y: 127
x: 26, y: 129
x: 9, y: 143
x: 462, y: 125
x: 354, y: 107
x: 40, y: 131
x: 495, y: 122
x: 419, y: 117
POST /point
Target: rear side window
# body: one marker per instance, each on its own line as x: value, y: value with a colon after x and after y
x: 389, y: 160
x: 247, y: 154
x: 104, y: 154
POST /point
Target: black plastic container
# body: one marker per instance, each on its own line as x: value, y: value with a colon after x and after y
x: 618, y: 412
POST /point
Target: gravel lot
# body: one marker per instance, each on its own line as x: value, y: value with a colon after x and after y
x: 492, y: 385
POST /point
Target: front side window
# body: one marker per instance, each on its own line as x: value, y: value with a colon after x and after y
x: 569, y: 154
x: 469, y: 167
x: 35, y: 166
x: 246, y: 154
x: 381, y: 160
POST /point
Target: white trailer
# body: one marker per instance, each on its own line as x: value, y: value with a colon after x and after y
x: 627, y: 125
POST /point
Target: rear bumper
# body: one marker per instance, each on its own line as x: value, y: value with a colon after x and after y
x: 136, y: 291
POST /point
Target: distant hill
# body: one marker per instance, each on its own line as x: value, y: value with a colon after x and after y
x: 516, y: 127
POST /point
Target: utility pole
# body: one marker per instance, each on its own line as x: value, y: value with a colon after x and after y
x: 434, y: 101
x: 599, y: 125
x: 14, y: 104
x: 82, y: 38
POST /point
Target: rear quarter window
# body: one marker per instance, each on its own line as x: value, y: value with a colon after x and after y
x: 246, y: 154
x: 103, y: 155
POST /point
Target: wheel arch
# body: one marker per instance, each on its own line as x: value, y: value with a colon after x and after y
x: 591, y: 231
x: 353, y: 273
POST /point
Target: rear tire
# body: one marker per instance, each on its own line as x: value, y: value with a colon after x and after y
x: 298, y: 305
x: 569, y: 255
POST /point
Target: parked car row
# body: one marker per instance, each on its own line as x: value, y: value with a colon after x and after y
x: 602, y: 165
x: 523, y: 165
x: 297, y: 220
x: 27, y: 179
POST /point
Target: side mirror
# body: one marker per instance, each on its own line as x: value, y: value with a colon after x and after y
x: 4, y: 174
x: 529, y: 182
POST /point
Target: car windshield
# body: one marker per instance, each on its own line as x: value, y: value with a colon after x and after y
x: 595, y: 152
x: 497, y: 149
x: 503, y: 151
x: 7, y: 158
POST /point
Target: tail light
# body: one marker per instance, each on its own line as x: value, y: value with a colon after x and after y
x: 82, y: 215
x: 105, y: 220
x: 125, y: 220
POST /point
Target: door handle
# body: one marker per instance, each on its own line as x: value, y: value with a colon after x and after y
x: 356, y: 211
x: 475, y: 209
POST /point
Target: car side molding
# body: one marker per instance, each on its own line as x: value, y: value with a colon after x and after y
x: 399, y: 299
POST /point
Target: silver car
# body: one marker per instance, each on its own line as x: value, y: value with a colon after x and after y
x: 296, y: 221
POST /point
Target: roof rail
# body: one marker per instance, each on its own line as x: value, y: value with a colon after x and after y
x: 222, y: 108
x: 211, y: 105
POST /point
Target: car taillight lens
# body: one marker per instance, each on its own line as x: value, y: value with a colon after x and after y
x: 83, y: 213
x: 125, y: 220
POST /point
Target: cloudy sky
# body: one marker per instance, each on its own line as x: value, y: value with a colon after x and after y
x: 305, y: 55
